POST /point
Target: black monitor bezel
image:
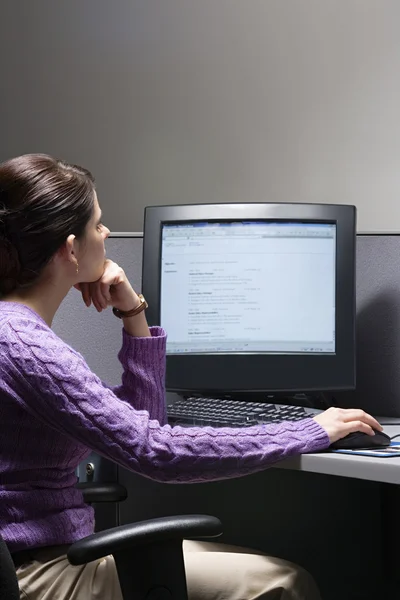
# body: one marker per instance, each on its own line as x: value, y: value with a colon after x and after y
x: 249, y: 372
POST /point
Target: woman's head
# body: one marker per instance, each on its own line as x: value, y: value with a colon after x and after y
x: 47, y: 206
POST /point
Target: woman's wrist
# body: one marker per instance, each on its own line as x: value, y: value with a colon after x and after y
x: 127, y: 300
x: 128, y: 304
x: 134, y: 311
x: 137, y: 326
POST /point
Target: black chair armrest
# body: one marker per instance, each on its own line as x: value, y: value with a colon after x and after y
x: 124, y: 537
x: 102, y: 492
x: 148, y: 555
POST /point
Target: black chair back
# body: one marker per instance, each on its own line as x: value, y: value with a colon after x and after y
x: 8, y: 579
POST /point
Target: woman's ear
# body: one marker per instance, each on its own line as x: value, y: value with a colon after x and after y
x: 69, y: 249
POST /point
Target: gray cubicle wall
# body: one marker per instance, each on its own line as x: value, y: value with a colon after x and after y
x: 276, y: 497
x: 378, y: 326
x: 378, y: 322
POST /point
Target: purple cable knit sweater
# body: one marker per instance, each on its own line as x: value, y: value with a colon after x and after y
x: 54, y: 410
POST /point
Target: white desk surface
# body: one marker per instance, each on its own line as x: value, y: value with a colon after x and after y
x: 385, y: 470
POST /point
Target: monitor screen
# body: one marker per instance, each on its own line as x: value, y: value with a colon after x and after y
x: 248, y: 286
x: 253, y: 297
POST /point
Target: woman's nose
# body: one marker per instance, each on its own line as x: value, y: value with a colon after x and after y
x: 106, y: 232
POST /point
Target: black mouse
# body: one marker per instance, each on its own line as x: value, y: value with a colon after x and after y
x: 359, y: 440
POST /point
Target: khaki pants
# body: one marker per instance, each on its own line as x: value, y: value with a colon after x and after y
x: 213, y: 572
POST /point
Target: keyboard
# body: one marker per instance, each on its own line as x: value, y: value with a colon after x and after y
x: 218, y: 412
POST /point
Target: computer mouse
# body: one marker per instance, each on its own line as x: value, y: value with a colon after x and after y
x: 359, y: 440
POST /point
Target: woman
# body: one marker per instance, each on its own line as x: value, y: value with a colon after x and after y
x: 54, y: 410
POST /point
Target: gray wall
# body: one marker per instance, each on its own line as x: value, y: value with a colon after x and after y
x: 176, y: 101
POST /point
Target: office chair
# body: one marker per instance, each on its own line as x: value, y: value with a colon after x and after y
x: 148, y: 554
x: 8, y: 581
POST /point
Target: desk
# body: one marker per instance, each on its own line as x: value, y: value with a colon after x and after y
x: 297, y: 510
x: 327, y: 524
x: 383, y: 470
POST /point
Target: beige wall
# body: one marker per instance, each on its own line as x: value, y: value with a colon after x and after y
x: 176, y: 101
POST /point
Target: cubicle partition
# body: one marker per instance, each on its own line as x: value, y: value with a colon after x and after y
x: 328, y: 524
x: 378, y: 326
x: 378, y: 322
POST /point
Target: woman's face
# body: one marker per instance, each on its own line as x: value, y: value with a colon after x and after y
x: 91, y: 260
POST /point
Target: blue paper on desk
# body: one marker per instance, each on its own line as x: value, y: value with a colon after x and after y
x: 388, y: 452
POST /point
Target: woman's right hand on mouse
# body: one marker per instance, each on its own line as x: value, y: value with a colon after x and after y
x: 339, y: 422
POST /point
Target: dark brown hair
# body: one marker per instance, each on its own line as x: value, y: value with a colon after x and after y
x: 42, y: 201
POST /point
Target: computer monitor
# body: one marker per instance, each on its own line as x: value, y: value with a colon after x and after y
x: 255, y: 298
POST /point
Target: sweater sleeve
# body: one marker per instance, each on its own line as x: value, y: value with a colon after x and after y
x: 143, y: 377
x: 56, y: 385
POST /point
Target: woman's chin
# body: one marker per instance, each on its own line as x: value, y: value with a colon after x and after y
x: 96, y: 275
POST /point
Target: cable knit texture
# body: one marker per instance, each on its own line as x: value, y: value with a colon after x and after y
x: 54, y: 410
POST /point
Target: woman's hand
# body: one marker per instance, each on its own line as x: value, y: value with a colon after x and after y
x: 112, y: 289
x: 339, y: 422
